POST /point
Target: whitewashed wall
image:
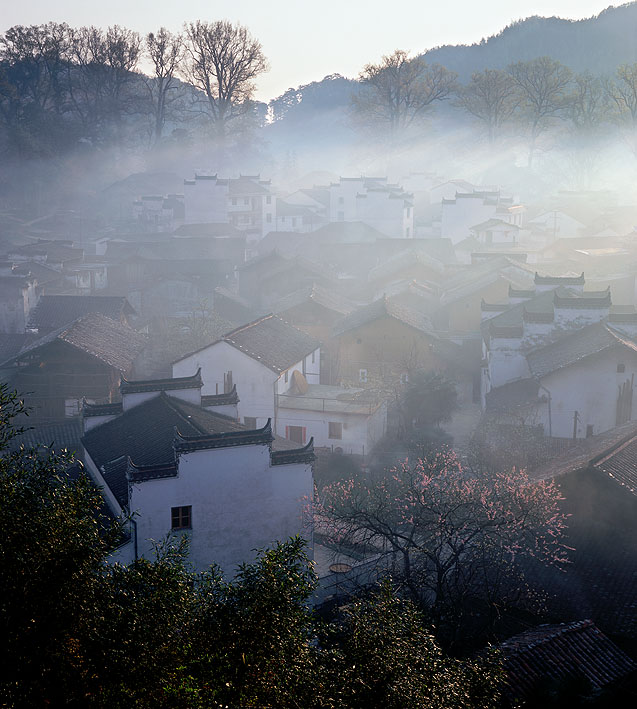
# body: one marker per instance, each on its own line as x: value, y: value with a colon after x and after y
x: 239, y: 502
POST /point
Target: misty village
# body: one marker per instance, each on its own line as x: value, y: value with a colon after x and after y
x: 325, y: 400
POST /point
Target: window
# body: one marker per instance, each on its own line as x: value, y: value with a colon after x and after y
x: 286, y: 377
x: 341, y: 216
x: 268, y: 200
x: 335, y: 430
x: 246, y: 201
x: 234, y: 201
x: 407, y: 232
x: 362, y: 376
x: 341, y: 200
x: 296, y: 434
x: 404, y: 377
x: 313, y: 357
x: 621, y: 368
x: 589, y: 430
x: 250, y: 422
x: 268, y: 218
x: 181, y: 517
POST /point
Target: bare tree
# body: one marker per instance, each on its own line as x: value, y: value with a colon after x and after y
x: 542, y: 85
x: 491, y: 97
x: 222, y: 61
x: 588, y: 104
x: 398, y: 92
x: 623, y: 92
x: 32, y: 87
x: 102, y: 76
x: 166, y: 51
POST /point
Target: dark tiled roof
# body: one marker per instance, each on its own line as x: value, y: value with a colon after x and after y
x: 541, y: 307
x: 64, y: 434
x: 145, y: 433
x: 299, y: 455
x: 220, y: 399
x: 315, y: 294
x: 113, y: 409
x: 170, y: 384
x: 184, y: 443
x: 559, y: 652
x: 43, y: 274
x: 620, y: 463
x: 406, y: 260
x: 273, y: 342
x: 512, y: 395
x: 574, y: 348
x: 12, y: 343
x: 114, y: 474
x: 211, y: 229
x: 584, y: 452
x: 559, y: 280
x: 111, y: 342
x: 384, y: 307
x: 54, y: 311
x: 587, y: 300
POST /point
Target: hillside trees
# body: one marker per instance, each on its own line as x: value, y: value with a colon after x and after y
x: 222, y: 61
x: 397, y: 93
x: 491, y: 98
x: 165, y: 51
x: 623, y: 92
x: 542, y: 85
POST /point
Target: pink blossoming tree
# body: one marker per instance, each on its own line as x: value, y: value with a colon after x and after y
x: 458, y: 542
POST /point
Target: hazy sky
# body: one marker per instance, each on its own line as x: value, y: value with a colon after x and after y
x: 304, y: 41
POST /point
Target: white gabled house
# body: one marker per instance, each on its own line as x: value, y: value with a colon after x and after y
x: 260, y: 359
x: 275, y: 368
x: 560, y: 357
x: 180, y: 468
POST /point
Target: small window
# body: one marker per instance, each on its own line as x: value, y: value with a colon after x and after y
x: 335, y: 430
x: 250, y: 422
x: 589, y: 430
x: 404, y: 377
x: 246, y: 201
x: 234, y: 201
x: 621, y: 368
x: 341, y: 216
x: 268, y: 200
x: 286, y: 377
x: 341, y: 200
x: 359, y: 341
x: 181, y: 517
x: 362, y: 376
x: 407, y: 232
x: 296, y: 434
x: 268, y: 218
x: 313, y: 357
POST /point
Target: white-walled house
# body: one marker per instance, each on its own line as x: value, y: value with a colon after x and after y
x: 260, y: 359
x: 559, y: 357
x: 467, y: 209
x: 496, y: 231
x: 276, y: 371
x: 349, y: 421
x: 246, y: 202
x: 374, y: 201
x: 181, y: 468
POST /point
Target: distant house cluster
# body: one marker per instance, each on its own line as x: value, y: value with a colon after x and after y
x: 205, y: 349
